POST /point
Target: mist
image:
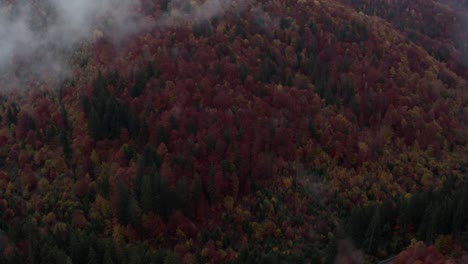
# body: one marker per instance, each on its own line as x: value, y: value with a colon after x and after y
x: 38, y: 36
x: 178, y: 15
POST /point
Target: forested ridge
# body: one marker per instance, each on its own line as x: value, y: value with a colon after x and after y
x: 270, y: 132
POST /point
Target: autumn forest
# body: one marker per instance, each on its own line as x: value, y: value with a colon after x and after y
x: 279, y: 131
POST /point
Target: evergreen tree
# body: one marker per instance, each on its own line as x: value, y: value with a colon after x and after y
x: 107, y: 259
x: 171, y: 258
x: 197, y: 190
x: 139, y: 84
x: 267, y: 69
x: 425, y: 230
x: 78, y: 249
x: 161, y: 134
x: 358, y: 224
x: 67, y: 152
x: 167, y: 198
x: 143, y: 133
x: 94, y: 124
x: 243, y: 72
x: 133, y: 124
x: 150, y: 200
x: 173, y: 122
x: 182, y: 196
x: 124, y: 204
x: 104, y: 187
x: 92, y: 257
x: 164, y: 5
x: 373, y: 231
x: 148, y: 163
x: 417, y: 208
x: 460, y: 218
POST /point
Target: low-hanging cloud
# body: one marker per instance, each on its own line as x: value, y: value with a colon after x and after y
x: 38, y: 36
x: 208, y: 9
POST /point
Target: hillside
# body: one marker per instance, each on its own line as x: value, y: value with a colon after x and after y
x: 240, y: 132
x: 439, y: 26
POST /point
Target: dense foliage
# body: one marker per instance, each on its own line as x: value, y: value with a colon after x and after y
x: 439, y: 26
x: 296, y: 131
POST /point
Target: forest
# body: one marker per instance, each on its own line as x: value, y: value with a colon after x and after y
x: 280, y: 131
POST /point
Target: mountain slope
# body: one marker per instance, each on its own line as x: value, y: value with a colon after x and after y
x: 269, y: 130
x: 439, y: 26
